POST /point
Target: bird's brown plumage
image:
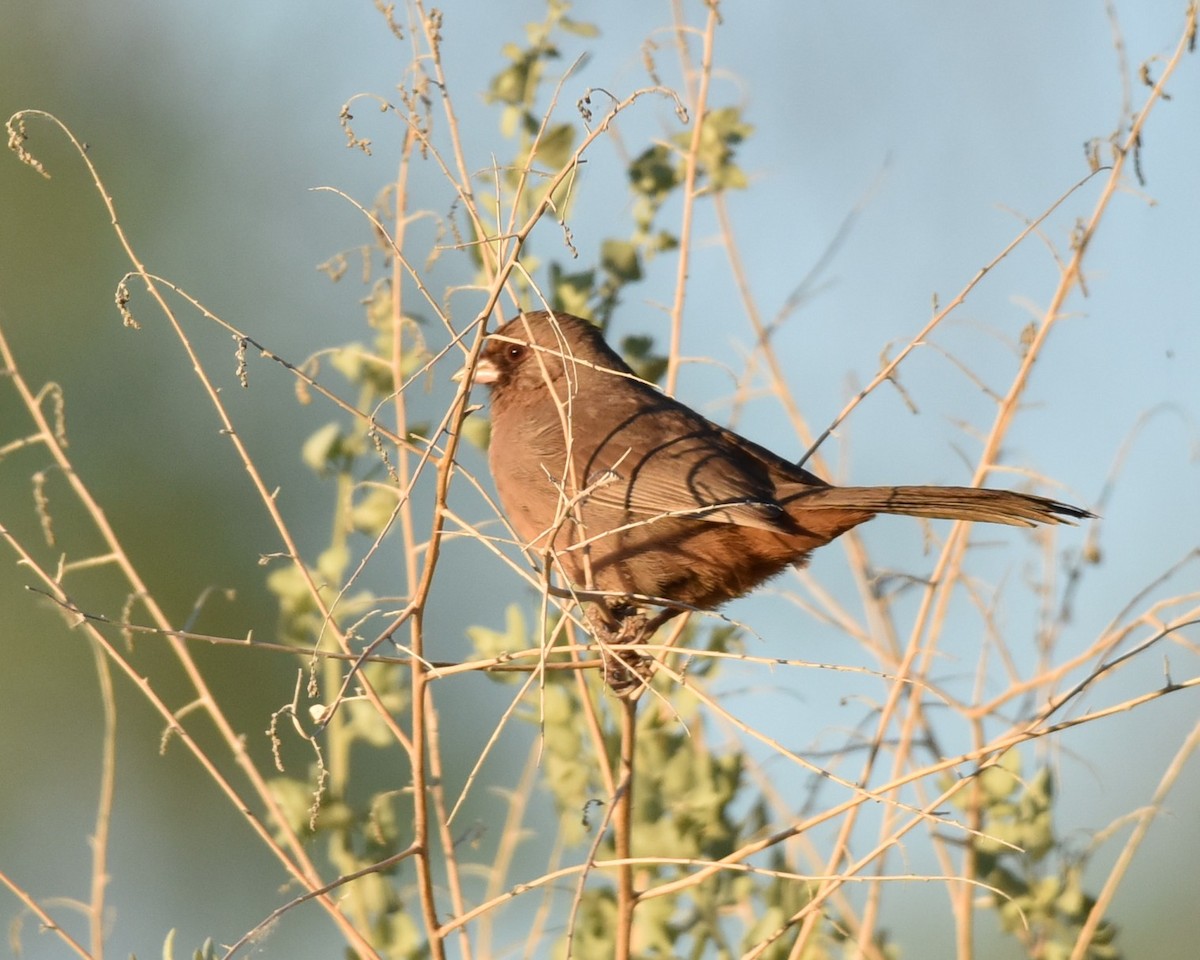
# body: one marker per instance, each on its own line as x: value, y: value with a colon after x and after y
x: 636, y: 494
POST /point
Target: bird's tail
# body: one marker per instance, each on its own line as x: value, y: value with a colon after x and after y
x: 939, y: 503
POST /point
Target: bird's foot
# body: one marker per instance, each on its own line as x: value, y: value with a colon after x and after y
x: 626, y: 671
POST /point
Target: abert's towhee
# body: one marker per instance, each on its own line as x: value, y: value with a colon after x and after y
x: 639, y: 497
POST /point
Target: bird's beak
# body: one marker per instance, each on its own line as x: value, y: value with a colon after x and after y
x: 485, y: 372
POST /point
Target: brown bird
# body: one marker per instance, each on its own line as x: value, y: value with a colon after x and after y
x: 638, y: 496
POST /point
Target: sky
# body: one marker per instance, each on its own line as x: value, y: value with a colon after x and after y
x: 942, y: 127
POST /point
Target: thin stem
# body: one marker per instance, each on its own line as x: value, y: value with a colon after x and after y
x: 698, y: 108
x: 295, y: 860
x: 623, y: 831
x: 104, y: 805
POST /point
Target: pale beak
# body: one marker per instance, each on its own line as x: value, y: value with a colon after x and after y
x: 485, y: 373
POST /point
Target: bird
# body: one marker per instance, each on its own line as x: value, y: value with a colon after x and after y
x: 637, y: 499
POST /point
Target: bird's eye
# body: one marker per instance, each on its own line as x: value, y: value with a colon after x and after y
x: 515, y: 351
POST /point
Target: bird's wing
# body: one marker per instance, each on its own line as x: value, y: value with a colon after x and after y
x: 684, y: 466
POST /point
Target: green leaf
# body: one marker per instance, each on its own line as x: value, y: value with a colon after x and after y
x: 1073, y: 902
x: 639, y: 354
x: 496, y: 643
x: 570, y: 292
x: 999, y: 782
x: 1045, y: 893
x: 373, y: 512
x: 295, y: 801
x: 207, y: 951
x: 654, y: 173
x: 332, y: 564
x: 289, y: 586
x: 477, y: 431
x: 620, y: 259
x: 324, y: 448
x: 579, y: 28
x: 555, y: 146
x: 1037, y: 838
x: 722, y: 131
x: 510, y: 121
x: 1041, y: 788
x: 509, y: 85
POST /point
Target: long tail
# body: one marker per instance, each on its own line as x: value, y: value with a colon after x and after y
x: 940, y: 503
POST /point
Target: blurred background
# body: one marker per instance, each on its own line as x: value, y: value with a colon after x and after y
x: 945, y: 125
